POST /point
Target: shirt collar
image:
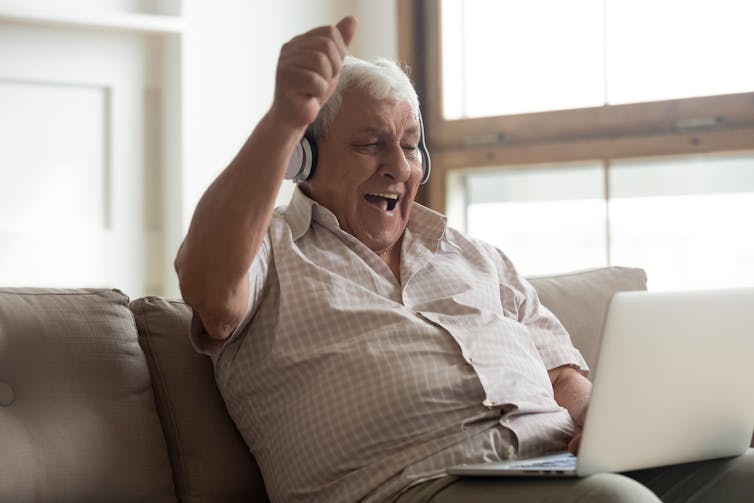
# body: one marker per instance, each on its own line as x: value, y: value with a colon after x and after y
x: 298, y: 214
x: 302, y: 210
x: 427, y: 223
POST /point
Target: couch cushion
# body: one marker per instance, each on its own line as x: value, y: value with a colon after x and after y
x: 580, y: 301
x: 79, y: 421
x: 210, y: 459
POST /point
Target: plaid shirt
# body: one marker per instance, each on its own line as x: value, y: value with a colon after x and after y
x: 349, y: 386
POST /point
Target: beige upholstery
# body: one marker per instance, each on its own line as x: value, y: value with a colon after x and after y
x: 210, y: 459
x: 580, y: 300
x: 82, y: 424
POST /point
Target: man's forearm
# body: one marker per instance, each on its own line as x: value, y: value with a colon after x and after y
x: 229, y: 225
x: 572, y: 391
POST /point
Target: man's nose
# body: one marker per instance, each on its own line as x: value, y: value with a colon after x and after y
x: 395, y: 164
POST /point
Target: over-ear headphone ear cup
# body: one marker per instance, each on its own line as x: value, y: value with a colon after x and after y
x: 293, y: 170
x: 426, y: 162
x: 303, y: 160
x: 310, y: 156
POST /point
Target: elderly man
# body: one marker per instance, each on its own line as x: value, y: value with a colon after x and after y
x: 361, y: 346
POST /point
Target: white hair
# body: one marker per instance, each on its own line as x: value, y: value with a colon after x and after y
x: 382, y: 79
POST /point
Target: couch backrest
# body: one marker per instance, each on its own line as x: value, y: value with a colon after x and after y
x: 77, y: 417
x: 580, y: 299
x: 211, y: 462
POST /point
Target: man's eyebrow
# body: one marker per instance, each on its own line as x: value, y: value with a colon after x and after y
x: 371, y: 131
x: 376, y: 131
x: 412, y: 130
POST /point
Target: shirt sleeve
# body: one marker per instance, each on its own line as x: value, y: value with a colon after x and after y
x: 521, y: 301
x: 258, y: 272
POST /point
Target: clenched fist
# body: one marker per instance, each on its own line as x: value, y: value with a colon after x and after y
x: 308, y: 71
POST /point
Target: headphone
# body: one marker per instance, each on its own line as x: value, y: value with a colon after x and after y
x: 303, y: 161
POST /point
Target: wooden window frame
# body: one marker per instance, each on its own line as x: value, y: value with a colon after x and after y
x: 719, y: 124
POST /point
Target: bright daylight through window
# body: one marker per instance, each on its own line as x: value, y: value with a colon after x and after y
x: 684, y: 217
x: 686, y: 221
x: 507, y: 57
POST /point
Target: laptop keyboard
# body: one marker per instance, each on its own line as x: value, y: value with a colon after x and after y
x: 569, y: 462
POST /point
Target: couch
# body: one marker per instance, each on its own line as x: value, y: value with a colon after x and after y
x: 103, y: 399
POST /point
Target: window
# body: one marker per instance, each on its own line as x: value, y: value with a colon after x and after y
x: 505, y: 57
x: 683, y: 219
x: 565, y: 205
x: 557, y: 129
x: 493, y: 64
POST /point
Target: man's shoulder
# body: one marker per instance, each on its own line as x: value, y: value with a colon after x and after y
x: 466, y: 241
x: 475, y: 249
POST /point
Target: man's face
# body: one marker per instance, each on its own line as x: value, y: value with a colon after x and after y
x: 369, y: 168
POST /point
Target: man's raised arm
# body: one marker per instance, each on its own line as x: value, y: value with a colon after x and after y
x: 233, y: 216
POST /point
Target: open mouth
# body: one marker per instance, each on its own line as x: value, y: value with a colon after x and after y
x: 384, y: 201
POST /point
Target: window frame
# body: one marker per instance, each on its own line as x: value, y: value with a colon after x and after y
x: 708, y: 124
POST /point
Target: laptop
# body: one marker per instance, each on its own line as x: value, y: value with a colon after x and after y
x: 672, y: 384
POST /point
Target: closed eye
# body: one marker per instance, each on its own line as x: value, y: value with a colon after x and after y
x: 367, y: 147
x: 410, y: 150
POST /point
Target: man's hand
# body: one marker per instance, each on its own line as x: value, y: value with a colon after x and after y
x: 572, y: 391
x: 575, y: 443
x: 308, y: 71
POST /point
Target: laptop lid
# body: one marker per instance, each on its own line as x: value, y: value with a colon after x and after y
x: 671, y: 385
x: 672, y: 382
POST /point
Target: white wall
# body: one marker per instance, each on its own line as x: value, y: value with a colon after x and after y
x: 230, y: 53
x: 202, y: 81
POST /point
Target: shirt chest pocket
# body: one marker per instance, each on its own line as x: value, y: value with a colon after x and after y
x: 336, y: 272
x: 449, y: 287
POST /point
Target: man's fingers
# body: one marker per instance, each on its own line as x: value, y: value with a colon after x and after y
x: 309, y: 67
x: 342, y: 33
x: 575, y: 443
x: 304, y: 83
x: 317, y: 53
x: 347, y: 28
